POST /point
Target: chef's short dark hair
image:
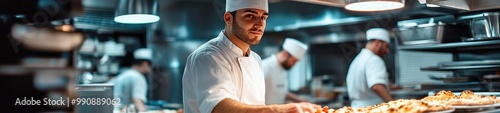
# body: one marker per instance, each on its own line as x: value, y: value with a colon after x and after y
x: 138, y: 62
x: 233, y: 14
x: 373, y: 40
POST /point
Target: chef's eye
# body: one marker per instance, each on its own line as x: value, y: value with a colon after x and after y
x: 250, y: 16
x: 264, y: 17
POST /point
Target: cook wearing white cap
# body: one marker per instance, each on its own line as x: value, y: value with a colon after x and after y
x: 367, y: 79
x: 224, y: 75
x: 276, y: 70
x: 131, y: 85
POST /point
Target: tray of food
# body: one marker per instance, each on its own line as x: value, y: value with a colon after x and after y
x: 441, y: 102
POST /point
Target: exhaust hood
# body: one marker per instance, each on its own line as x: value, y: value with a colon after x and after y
x: 466, y: 5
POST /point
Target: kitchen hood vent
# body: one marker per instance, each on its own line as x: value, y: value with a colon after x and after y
x: 467, y: 5
x: 335, y: 3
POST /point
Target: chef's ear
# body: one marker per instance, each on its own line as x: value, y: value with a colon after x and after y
x: 228, y: 18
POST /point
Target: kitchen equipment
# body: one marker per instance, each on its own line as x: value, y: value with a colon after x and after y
x: 449, y: 79
x: 46, y: 39
x: 95, y: 91
x: 474, y: 86
x: 469, y: 63
x: 491, y: 78
x: 44, y: 62
x: 484, y: 26
x: 431, y: 33
x: 493, y: 86
x: 316, y: 87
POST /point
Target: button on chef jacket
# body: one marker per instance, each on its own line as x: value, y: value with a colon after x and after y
x: 276, y: 81
x: 366, y: 70
x: 218, y: 70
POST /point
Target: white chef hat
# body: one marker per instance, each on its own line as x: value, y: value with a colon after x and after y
x: 379, y: 34
x: 143, y: 54
x: 233, y: 5
x: 296, y: 48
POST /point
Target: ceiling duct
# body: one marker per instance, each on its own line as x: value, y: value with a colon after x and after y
x: 467, y: 5
x: 335, y: 3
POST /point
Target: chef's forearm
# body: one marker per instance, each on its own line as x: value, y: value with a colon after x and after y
x: 139, y: 104
x: 232, y: 106
x: 382, y: 92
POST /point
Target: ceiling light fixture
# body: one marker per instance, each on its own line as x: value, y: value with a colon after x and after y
x: 373, y: 5
x: 137, y: 11
x: 432, y: 5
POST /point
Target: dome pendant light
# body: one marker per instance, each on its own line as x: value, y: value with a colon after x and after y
x: 373, y: 5
x: 137, y: 11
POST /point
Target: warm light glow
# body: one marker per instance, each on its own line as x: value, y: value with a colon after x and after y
x: 137, y: 18
x: 374, y: 6
x: 67, y: 28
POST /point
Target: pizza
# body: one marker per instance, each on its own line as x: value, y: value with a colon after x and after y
x: 441, y: 101
x: 441, y: 96
x: 466, y: 98
x: 397, y: 106
x: 324, y: 110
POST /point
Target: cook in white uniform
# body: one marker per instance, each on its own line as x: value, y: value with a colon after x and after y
x: 224, y: 75
x: 276, y: 69
x: 367, y: 78
x: 131, y: 85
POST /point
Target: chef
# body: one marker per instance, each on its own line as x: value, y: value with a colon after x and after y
x: 223, y: 75
x: 131, y: 85
x: 276, y: 69
x: 367, y: 78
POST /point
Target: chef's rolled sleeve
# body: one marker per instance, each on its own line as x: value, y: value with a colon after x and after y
x: 376, y: 72
x: 212, y: 81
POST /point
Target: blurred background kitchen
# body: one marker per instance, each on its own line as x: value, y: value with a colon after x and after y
x: 71, y: 48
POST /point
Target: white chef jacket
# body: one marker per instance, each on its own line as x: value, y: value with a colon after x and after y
x: 276, y: 81
x: 366, y: 70
x: 130, y: 84
x: 218, y: 70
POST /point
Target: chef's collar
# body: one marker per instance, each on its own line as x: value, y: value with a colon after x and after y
x: 231, y: 45
x: 368, y: 51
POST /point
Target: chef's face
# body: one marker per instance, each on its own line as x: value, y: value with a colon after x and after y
x: 147, y: 67
x: 384, y: 48
x: 289, y: 62
x: 249, y: 24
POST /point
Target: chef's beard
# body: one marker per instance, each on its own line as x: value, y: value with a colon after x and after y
x: 240, y: 33
x: 381, y: 53
x: 284, y: 65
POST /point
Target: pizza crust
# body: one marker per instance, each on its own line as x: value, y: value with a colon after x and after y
x: 441, y: 101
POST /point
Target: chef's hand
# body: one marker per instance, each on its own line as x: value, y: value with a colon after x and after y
x: 295, y: 108
x: 180, y: 111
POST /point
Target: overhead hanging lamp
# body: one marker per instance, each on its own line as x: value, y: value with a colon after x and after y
x: 137, y: 11
x: 373, y: 5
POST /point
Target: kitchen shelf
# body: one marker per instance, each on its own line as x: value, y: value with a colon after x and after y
x: 449, y: 47
x: 459, y: 68
x: 17, y: 69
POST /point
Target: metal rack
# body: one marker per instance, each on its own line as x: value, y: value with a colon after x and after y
x: 452, y: 47
x: 463, y: 66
